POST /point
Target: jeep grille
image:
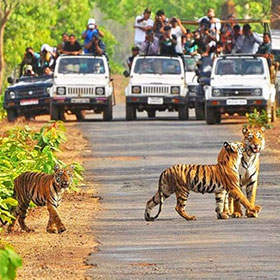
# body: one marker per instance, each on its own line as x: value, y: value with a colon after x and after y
x: 235, y: 92
x: 31, y: 91
x: 156, y: 90
x: 80, y: 91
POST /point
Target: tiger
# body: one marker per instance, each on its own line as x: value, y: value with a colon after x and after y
x: 43, y: 189
x: 254, y: 142
x: 218, y: 178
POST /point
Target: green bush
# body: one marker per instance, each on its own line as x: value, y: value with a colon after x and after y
x: 278, y: 113
x: 258, y: 119
x: 9, y: 262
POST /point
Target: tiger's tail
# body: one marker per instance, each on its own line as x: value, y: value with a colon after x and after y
x: 148, y: 209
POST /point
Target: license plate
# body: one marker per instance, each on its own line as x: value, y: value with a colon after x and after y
x: 236, y: 102
x: 155, y: 100
x: 29, y: 102
x: 80, y: 100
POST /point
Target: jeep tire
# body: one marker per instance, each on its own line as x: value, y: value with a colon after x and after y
x: 199, y: 111
x: 12, y: 115
x: 183, y: 112
x: 108, y: 111
x: 130, y: 112
x: 212, y: 116
x: 57, y: 113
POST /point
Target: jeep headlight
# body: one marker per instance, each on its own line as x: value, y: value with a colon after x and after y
x: 257, y: 91
x: 61, y: 90
x: 48, y: 90
x: 175, y: 90
x: 136, y: 89
x: 100, y: 91
x: 216, y: 92
x: 12, y: 95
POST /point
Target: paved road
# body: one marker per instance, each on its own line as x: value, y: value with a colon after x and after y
x: 128, y: 158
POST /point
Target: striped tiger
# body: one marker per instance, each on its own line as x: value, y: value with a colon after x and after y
x: 219, y: 178
x: 248, y: 171
x: 43, y: 189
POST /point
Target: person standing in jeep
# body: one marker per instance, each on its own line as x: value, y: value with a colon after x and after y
x: 72, y: 47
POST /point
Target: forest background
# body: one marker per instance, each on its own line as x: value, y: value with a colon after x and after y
x: 25, y: 23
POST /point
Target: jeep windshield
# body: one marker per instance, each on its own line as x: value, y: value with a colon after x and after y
x: 161, y: 66
x: 239, y: 66
x: 81, y: 65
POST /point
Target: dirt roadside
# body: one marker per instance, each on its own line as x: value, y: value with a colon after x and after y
x: 60, y: 256
x: 63, y: 256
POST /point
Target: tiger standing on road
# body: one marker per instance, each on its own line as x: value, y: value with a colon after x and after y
x: 43, y: 189
x: 249, y: 171
x: 219, y: 179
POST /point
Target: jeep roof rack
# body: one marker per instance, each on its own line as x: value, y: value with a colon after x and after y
x: 224, y: 56
x: 264, y: 22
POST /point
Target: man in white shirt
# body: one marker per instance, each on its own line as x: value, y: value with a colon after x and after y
x: 142, y: 25
x: 179, y: 30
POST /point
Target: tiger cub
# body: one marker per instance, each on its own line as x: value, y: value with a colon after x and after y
x: 218, y: 178
x: 248, y: 170
x: 43, y: 189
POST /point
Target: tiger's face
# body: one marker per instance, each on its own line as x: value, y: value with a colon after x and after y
x: 63, y: 176
x: 234, y: 148
x: 253, y: 139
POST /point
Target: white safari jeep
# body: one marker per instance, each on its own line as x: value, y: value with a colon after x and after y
x: 157, y: 83
x: 238, y: 84
x: 81, y: 83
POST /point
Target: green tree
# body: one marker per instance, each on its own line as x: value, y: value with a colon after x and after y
x: 6, y: 9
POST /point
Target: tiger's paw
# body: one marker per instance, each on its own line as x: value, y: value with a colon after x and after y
x: 192, y: 218
x: 61, y: 229
x: 51, y: 230
x: 236, y: 214
x: 27, y: 229
x: 222, y: 216
x: 251, y: 214
x: 257, y: 209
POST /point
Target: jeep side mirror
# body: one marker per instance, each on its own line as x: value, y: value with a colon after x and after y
x: 126, y: 73
x: 10, y: 80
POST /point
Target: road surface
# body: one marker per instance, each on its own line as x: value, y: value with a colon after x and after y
x: 128, y: 158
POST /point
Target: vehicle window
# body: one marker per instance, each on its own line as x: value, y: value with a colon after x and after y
x: 190, y: 63
x: 157, y: 66
x: 81, y: 65
x: 239, y: 67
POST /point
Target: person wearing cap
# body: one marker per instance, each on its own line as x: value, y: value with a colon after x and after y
x: 142, y: 25
x: 92, y: 30
x: 72, y: 47
x: 96, y: 46
x: 160, y: 22
x: 151, y: 44
x: 28, y: 72
x: 178, y: 30
x: 48, y: 56
x: 251, y: 40
x: 135, y: 51
x: 168, y: 42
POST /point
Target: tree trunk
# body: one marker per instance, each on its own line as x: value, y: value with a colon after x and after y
x: 228, y: 9
x: 275, y: 14
x: 2, y: 61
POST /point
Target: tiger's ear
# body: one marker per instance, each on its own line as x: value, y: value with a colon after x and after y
x: 244, y: 130
x: 228, y: 146
x: 263, y: 129
x: 56, y: 167
x: 72, y: 167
